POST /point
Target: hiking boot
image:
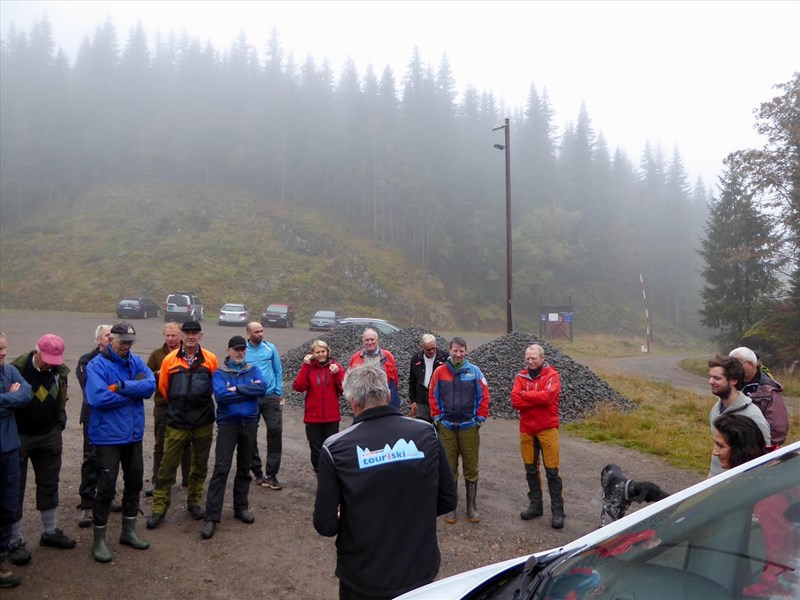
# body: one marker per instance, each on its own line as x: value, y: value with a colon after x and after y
x: 116, y: 506
x: 17, y: 553
x: 271, y: 482
x: 7, y: 578
x: 196, y: 512
x: 86, y: 518
x: 534, y: 510
x: 558, y: 521
x: 451, y: 517
x: 245, y: 516
x: 149, y: 491
x: 258, y: 480
x: 154, y: 521
x: 57, y: 539
x: 208, y: 530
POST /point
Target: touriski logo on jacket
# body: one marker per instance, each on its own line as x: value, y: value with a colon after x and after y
x: 402, y: 450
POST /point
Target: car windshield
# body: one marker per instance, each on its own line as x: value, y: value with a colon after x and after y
x: 233, y: 308
x: 736, y: 539
x: 278, y: 308
x: 324, y: 314
x: 129, y: 301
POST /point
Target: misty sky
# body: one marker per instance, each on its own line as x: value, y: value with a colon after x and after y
x: 675, y: 73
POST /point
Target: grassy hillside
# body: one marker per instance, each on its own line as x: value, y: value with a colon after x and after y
x: 222, y: 243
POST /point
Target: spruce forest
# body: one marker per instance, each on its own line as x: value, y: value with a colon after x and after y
x: 399, y: 159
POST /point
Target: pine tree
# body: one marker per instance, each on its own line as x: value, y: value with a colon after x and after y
x: 739, y: 255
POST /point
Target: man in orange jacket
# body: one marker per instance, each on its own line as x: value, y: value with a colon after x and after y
x: 535, y: 395
x: 185, y: 381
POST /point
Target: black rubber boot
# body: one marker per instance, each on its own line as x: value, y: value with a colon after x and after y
x: 473, y: 516
x: 534, y: 494
x: 554, y: 486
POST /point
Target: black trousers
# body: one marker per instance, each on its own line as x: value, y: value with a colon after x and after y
x: 44, y: 453
x: 272, y: 412
x: 242, y: 438
x: 317, y: 433
x: 88, y: 470
x: 109, y: 460
x: 345, y: 593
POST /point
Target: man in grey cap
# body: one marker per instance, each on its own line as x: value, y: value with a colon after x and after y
x: 117, y: 383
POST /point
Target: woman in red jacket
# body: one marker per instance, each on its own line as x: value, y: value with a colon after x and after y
x: 320, y: 378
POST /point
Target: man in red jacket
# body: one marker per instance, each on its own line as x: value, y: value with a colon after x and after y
x: 535, y: 395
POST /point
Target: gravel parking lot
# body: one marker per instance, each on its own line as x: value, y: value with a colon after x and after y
x: 281, y: 556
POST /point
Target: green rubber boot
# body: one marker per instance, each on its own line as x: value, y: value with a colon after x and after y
x: 100, y: 548
x: 128, y: 535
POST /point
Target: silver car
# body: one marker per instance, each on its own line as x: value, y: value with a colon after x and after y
x: 736, y: 535
x: 234, y: 314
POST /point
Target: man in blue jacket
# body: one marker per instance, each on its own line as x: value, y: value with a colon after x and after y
x: 117, y: 383
x: 237, y: 387
x: 265, y: 356
x: 15, y: 393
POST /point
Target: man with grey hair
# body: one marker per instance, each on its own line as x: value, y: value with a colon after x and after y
x: 373, y: 354
x: 423, y: 364
x: 765, y: 393
x: 89, y: 464
x: 385, y: 469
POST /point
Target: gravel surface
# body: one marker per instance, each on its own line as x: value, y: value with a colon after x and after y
x: 280, y: 556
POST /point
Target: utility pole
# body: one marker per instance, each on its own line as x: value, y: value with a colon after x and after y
x: 507, y: 147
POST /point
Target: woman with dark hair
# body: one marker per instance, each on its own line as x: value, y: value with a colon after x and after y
x: 737, y: 440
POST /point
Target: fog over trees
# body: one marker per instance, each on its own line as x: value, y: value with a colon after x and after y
x: 402, y: 157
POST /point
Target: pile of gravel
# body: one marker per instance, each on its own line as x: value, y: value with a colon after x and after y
x: 500, y: 360
x: 581, y: 390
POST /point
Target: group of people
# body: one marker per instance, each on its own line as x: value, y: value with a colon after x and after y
x: 413, y: 462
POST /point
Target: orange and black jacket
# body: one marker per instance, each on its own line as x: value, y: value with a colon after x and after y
x: 188, y: 390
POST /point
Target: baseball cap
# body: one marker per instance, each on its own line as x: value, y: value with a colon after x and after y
x: 51, y: 348
x: 124, y: 331
x: 237, y: 342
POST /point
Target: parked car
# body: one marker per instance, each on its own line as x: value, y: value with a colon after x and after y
x: 278, y: 315
x: 234, y: 314
x: 140, y: 308
x: 183, y: 306
x: 323, y: 320
x: 710, y: 541
x: 378, y: 325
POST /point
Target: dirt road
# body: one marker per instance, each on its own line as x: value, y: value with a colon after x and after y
x: 281, y: 556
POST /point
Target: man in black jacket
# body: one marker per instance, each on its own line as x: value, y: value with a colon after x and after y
x: 423, y: 364
x: 382, y: 483
x: 89, y: 465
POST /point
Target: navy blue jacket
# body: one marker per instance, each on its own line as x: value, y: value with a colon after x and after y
x: 9, y: 402
x: 237, y: 407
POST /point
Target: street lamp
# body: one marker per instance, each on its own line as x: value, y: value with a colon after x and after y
x: 507, y: 148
